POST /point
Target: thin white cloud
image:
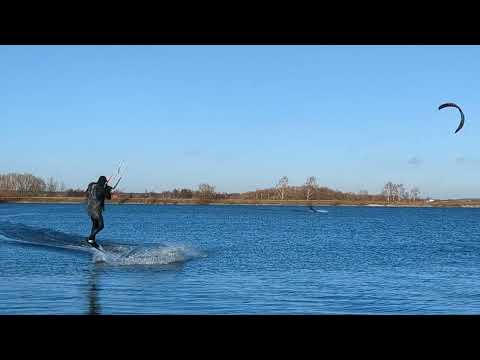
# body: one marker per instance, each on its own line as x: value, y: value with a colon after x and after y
x: 415, y: 161
x: 460, y: 160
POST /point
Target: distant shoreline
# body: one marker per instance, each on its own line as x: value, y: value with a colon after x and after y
x: 243, y: 202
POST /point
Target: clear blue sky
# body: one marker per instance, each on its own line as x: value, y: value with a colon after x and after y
x: 240, y: 117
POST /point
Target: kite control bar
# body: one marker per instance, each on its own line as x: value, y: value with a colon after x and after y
x: 118, y: 174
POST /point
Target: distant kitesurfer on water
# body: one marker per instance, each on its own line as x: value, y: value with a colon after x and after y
x: 97, y: 192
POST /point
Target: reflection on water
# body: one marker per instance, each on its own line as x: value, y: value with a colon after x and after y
x: 93, y: 292
x: 147, y: 273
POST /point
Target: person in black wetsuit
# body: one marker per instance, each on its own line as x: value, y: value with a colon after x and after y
x: 97, y: 192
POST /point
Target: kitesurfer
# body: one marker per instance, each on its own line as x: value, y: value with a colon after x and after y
x: 97, y: 192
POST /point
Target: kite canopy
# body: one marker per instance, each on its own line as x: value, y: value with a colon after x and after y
x: 462, y: 119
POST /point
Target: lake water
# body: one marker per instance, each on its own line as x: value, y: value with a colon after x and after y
x: 240, y: 260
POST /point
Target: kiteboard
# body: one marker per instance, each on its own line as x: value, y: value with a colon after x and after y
x: 318, y: 210
x: 94, y: 245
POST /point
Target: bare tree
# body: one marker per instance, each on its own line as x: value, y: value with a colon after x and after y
x: 414, y: 193
x: 388, y: 191
x: 206, y: 191
x: 395, y: 192
x: 52, y: 185
x: 282, y: 186
x: 310, y: 186
x: 21, y: 183
x: 400, y: 192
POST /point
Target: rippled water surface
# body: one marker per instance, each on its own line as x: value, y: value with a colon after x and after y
x: 240, y: 260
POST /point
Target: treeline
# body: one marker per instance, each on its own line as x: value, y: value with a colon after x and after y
x: 24, y: 184
x: 203, y: 192
x: 310, y: 190
x: 29, y: 184
x: 397, y: 192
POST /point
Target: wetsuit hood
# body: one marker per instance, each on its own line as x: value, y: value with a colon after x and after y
x: 102, y: 180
